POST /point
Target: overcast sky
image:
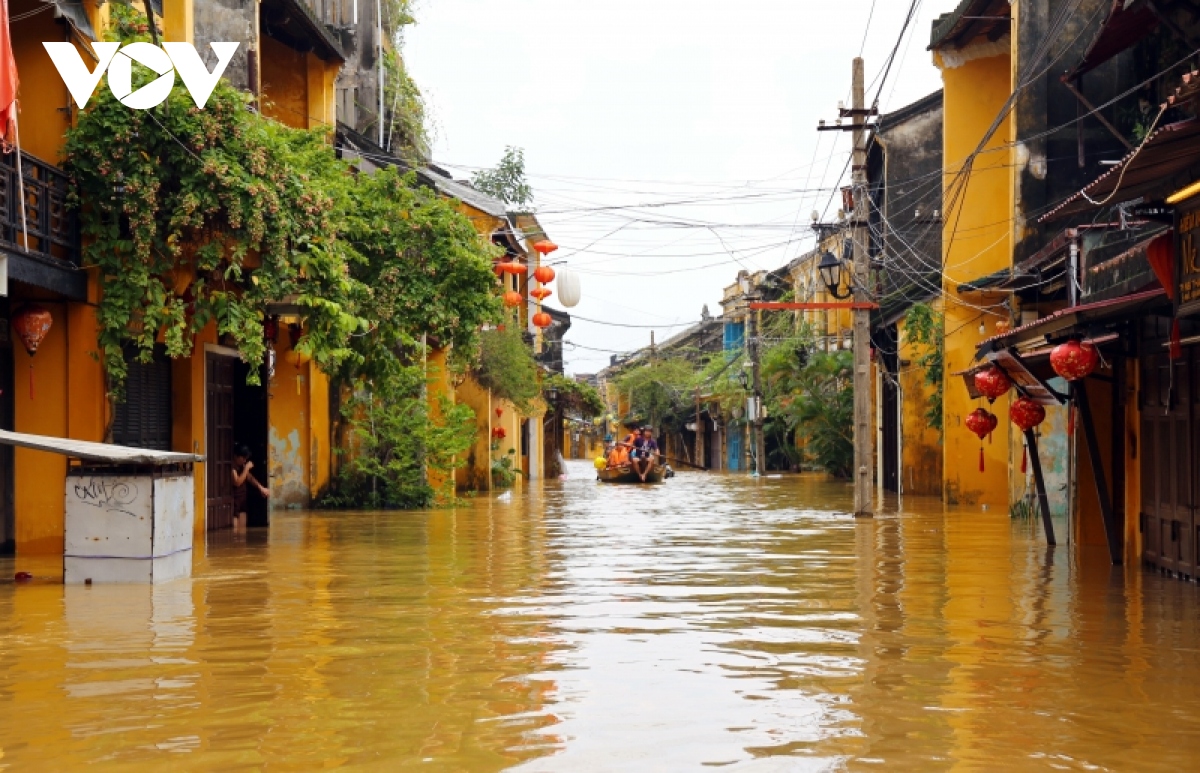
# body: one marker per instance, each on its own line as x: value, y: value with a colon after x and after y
x: 669, y: 142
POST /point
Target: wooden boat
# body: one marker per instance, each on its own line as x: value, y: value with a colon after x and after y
x: 625, y: 474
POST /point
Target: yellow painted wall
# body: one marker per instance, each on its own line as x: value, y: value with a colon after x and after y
x: 284, y: 83
x: 42, y: 92
x: 290, y: 435
x: 39, y: 477
x: 976, y: 241
x: 921, y: 462
x: 179, y: 21
x: 474, y: 474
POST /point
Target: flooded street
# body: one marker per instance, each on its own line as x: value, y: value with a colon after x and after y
x: 714, y: 621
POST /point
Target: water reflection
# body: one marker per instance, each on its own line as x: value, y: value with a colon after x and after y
x: 717, y: 621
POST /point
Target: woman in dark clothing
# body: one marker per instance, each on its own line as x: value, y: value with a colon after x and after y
x: 241, y: 477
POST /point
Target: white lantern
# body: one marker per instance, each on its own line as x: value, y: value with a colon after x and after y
x: 568, y: 287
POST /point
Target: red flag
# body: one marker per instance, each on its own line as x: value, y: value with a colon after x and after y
x: 8, y: 82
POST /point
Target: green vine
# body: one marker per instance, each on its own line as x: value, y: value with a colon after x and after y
x: 925, y: 327
x: 506, y: 367
x: 577, y: 396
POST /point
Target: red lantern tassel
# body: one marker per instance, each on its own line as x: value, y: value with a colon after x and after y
x: 1071, y: 421
x: 981, y: 457
x: 1024, y: 457
x: 31, y: 382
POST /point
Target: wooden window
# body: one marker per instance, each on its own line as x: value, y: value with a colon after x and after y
x: 143, y: 417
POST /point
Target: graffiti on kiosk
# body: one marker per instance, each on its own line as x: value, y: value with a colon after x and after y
x: 117, y: 61
x: 111, y: 494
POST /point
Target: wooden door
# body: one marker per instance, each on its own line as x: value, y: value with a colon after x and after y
x: 1169, y: 534
x: 218, y: 376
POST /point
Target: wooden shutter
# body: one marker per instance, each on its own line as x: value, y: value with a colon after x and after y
x: 143, y: 417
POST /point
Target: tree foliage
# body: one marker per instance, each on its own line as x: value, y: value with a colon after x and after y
x: 577, y: 396
x: 507, y: 181
x: 506, y: 367
x: 196, y: 217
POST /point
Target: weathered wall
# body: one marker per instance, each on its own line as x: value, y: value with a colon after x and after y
x: 976, y: 242
x: 223, y: 20
x: 921, y: 452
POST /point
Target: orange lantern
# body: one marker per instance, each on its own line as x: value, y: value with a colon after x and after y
x: 545, y: 246
x: 511, y: 267
x: 541, y: 293
x: 981, y: 421
x: 543, y: 274
x: 992, y: 382
x: 542, y: 320
x: 32, y: 323
x: 512, y: 298
x: 1074, y: 359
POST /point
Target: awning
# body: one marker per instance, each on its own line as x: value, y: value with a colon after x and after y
x: 968, y: 21
x: 95, y: 452
x: 1065, y: 319
x: 292, y: 23
x: 1156, y: 169
x: 1128, y: 22
x: 76, y: 16
x: 1025, y: 379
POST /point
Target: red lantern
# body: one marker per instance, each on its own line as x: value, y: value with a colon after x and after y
x: 1074, y: 359
x: 543, y: 274
x: 512, y: 298
x: 981, y: 421
x: 512, y: 267
x: 32, y: 323
x: 992, y: 382
x: 542, y: 320
x: 545, y: 246
x: 271, y: 329
x: 1026, y: 414
x: 541, y: 293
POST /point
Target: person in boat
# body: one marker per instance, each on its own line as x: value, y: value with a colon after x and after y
x: 619, y: 455
x: 645, y: 454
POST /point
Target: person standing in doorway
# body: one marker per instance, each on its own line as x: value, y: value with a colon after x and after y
x: 242, y: 480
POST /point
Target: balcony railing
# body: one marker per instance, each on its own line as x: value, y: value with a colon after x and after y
x: 52, y: 228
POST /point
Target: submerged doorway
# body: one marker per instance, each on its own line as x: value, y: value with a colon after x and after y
x: 250, y: 429
x: 236, y: 414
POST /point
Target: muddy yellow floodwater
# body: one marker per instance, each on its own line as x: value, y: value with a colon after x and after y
x: 713, y: 621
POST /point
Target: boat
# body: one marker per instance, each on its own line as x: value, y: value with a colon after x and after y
x: 624, y: 474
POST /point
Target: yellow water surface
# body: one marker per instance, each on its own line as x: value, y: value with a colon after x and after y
x: 713, y: 621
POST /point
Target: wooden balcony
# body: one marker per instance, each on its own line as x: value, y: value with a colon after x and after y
x: 53, y: 229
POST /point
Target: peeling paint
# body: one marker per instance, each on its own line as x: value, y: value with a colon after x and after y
x: 288, y: 487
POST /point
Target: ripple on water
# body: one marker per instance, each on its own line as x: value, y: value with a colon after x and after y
x: 715, y: 621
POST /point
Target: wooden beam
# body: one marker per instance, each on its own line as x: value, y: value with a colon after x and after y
x: 1112, y: 529
x: 781, y: 306
x: 1040, y: 481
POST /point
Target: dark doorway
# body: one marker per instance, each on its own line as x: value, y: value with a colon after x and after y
x: 218, y: 467
x: 8, y: 532
x: 250, y: 429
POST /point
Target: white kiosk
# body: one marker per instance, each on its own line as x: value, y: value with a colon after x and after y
x: 129, y: 511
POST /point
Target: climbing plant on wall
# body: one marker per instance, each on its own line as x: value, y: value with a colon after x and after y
x: 925, y: 328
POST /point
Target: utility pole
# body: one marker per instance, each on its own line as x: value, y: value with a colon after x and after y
x: 760, y: 462
x: 863, y: 495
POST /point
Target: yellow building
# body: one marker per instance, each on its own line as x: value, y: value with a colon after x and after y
x: 199, y: 404
x: 973, y: 50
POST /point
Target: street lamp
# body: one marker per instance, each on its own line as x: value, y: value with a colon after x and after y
x: 831, y: 274
x: 552, y: 395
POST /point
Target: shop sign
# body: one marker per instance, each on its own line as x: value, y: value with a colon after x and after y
x: 1187, y: 271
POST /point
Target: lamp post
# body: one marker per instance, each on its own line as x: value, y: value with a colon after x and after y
x: 754, y: 414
